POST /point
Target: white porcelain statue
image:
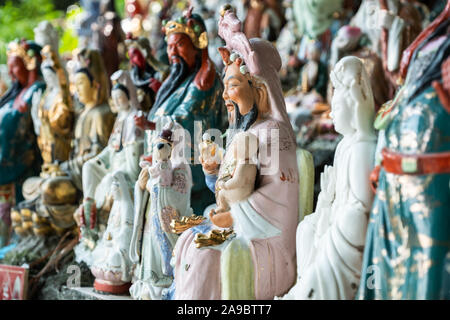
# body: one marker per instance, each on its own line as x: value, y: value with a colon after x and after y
x: 330, y: 242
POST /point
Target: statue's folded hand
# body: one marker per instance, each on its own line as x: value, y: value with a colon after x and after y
x: 327, y: 185
x: 210, y: 168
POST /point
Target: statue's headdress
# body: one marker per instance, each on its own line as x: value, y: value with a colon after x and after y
x: 28, y: 51
x: 256, y: 57
x: 52, y: 60
x: 190, y: 24
x: 166, y: 136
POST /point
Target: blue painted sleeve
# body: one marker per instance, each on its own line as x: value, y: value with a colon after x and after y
x: 210, y: 180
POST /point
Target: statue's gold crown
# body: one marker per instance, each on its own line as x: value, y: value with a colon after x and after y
x: 21, y: 50
x: 190, y: 26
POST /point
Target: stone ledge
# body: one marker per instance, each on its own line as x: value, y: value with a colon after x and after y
x: 88, y: 293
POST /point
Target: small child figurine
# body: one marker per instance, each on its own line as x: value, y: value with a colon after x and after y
x: 210, y: 151
x: 241, y: 182
x: 162, y: 166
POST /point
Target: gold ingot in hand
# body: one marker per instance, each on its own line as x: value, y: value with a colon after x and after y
x: 181, y: 225
x: 27, y: 226
x: 42, y: 231
x: 26, y: 214
x: 16, y: 217
x: 37, y: 220
x: 213, y: 238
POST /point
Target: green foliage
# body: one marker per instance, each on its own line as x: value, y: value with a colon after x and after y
x: 120, y: 7
x: 18, y: 19
x: 69, y: 39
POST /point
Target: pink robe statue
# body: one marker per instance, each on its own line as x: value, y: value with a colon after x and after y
x: 260, y: 261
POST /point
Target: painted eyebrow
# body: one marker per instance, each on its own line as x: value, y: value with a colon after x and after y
x: 178, y: 41
x: 233, y: 77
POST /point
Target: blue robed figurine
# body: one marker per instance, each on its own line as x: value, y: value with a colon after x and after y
x: 407, y: 252
x: 19, y: 153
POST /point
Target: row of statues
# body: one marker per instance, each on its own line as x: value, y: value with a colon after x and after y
x: 133, y: 161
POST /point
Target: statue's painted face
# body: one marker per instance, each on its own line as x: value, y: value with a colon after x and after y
x: 340, y: 111
x: 179, y: 46
x: 120, y: 100
x: 17, y: 70
x: 237, y: 89
x: 84, y: 87
x: 136, y: 57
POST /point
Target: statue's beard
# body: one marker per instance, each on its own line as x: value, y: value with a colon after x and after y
x: 12, y: 93
x: 242, y: 122
x: 178, y: 73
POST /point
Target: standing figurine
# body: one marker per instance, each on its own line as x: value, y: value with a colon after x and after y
x: 330, y: 241
x: 407, y: 247
x: 257, y: 260
x: 19, y: 153
x: 167, y: 198
x: 107, y: 36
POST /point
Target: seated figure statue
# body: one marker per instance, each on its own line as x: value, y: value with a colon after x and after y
x: 56, y: 195
x: 256, y: 259
x: 112, y: 265
x: 330, y: 242
x: 122, y: 153
x: 53, y: 119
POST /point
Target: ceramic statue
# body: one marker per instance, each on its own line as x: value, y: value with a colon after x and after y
x: 191, y: 93
x: 19, y: 153
x: 112, y: 266
x: 107, y: 36
x: 315, y: 17
x: 264, y: 19
x: 330, y: 241
x: 162, y: 194
x: 146, y: 72
x: 235, y: 253
x: 350, y: 40
x: 401, y: 23
x: 407, y: 252
x: 121, y: 154
x: 53, y: 120
x: 56, y: 194
x: 91, y: 11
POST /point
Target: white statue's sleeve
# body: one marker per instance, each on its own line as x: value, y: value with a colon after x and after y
x: 93, y: 172
x: 131, y: 164
x: 140, y: 199
x: 35, y: 103
x: 352, y: 223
